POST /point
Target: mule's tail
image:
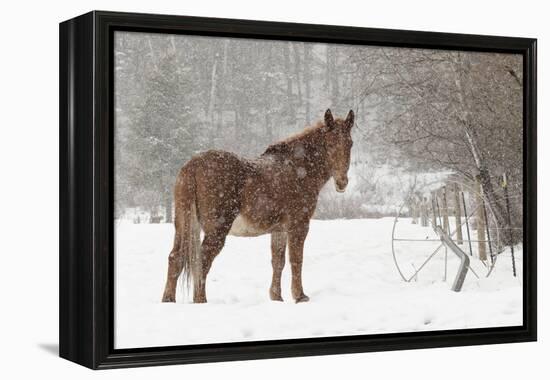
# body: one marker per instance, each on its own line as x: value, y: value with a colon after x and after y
x: 189, y: 230
x: 185, y: 258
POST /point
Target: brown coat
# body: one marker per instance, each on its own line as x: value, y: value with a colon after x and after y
x: 275, y: 193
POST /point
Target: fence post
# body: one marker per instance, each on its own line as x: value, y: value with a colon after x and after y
x: 480, y: 222
x: 424, y: 212
x: 488, y: 235
x: 445, y: 212
x: 467, y: 223
x: 414, y: 210
x: 434, y: 214
x: 458, y: 215
x: 505, y: 186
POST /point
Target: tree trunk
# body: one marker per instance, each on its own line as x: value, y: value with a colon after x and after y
x: 328, y: 68
x: 221, y: 91
x: 291, y: 113
x: 331, y: 77
x: 297, y: 73
x: 306, y: 64
x: 487, y: 188
x: 335, y: 90
x: 153, y: 55
x: 168, y: 209
x: 212, y: 96
x: 268, y: 98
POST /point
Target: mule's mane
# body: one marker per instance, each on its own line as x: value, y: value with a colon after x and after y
x: 284, y: 145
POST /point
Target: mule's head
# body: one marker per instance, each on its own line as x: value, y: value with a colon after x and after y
x: 338, y: 143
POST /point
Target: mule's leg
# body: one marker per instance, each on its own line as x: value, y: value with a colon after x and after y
x: 296, y: 238
x: 211, y: 246
x: 175, y: 266
x: 278, y: 246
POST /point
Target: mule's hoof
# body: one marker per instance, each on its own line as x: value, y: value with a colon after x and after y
x: 302, y: 298
x: 200, y: 300
x: 168, y: 299
x: 275, y: 296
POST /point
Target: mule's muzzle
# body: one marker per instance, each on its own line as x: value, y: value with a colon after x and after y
x: 341, y: 184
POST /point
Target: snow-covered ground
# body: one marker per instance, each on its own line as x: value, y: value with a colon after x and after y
x: 348, y: 274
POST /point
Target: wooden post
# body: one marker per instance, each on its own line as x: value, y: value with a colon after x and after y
x: 445, y: 212
x: 467, y: 223
x: 424, y: 212
x: 434, y: 212
x: 445, y: 215
x: 507, y: 199
x: 458, y: 215
x: 488, y: 236
x: 414, y: 210
x: 480, y: 222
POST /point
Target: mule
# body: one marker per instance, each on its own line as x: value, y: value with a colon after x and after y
x: 276, y: 194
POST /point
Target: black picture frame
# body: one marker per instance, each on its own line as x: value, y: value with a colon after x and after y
x: 86, y: 190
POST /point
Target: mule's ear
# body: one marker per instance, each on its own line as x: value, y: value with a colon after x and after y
x: 329, y: 120
x: 350, y: 119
